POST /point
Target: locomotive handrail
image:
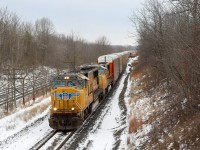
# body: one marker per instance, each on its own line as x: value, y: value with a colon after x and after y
x: 78, y: 104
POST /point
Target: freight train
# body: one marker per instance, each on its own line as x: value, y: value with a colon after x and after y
x: 75, y: 95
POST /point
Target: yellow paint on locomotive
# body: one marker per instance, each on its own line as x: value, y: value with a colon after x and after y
x: 103, y: 80
x: 63, y: 104
x: 72, y: 100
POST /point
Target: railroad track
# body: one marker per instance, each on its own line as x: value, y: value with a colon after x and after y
x: 52, y: 136
x: 65, y: 139
x: 41, y: 83
x: 45, y: 140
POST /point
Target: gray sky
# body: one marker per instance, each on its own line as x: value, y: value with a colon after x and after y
x: 89, y: 19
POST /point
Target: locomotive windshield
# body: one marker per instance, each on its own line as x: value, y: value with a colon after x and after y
x: 68, y: 83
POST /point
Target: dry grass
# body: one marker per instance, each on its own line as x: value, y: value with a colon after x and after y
x: 133, y: 99
x: 38, y: 100
x: 135, y: 94
x: 20, y: 105
x: 136, y: 90
x: 135, y: 74
x: 134, y: 125
x: 128, y: 141
x: 186, y: 132
x: 175, y: 129
x: 136, y: 62
x: 10, y: 127
x: 28, y: 115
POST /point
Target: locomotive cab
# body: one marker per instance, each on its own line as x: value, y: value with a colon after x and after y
x: 68, y: 93
x: 73, y: 98
x: 65, y: 92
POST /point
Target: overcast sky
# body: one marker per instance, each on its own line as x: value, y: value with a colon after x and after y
x: 89, y: 19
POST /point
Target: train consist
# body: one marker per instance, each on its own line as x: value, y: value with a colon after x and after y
x: 75, y: 95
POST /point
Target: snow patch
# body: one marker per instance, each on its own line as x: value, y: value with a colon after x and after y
x: 13, y: 124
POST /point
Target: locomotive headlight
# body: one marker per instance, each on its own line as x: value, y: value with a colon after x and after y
x: 54, y: 108
x: 72, y: 108
x: 66, y: 78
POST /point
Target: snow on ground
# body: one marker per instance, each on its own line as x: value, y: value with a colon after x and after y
x: 28, y: 138
x: 22, y: 129
x: 141, y: 108
x: 103, y: 137
x: 55, y: 140
x: 139, y: 111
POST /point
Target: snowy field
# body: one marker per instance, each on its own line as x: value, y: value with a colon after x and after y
x: 25, y: 127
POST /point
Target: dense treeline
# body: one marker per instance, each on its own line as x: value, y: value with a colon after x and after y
x: 24, y: 45
x: 169, y: 44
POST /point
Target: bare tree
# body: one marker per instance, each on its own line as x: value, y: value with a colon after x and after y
x: 169, y: 48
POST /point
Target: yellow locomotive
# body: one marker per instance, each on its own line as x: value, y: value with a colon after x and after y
x: 104, y: 78
x: 74, y: 96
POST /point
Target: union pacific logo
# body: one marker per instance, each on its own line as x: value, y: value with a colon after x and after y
x: 66, y: 96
